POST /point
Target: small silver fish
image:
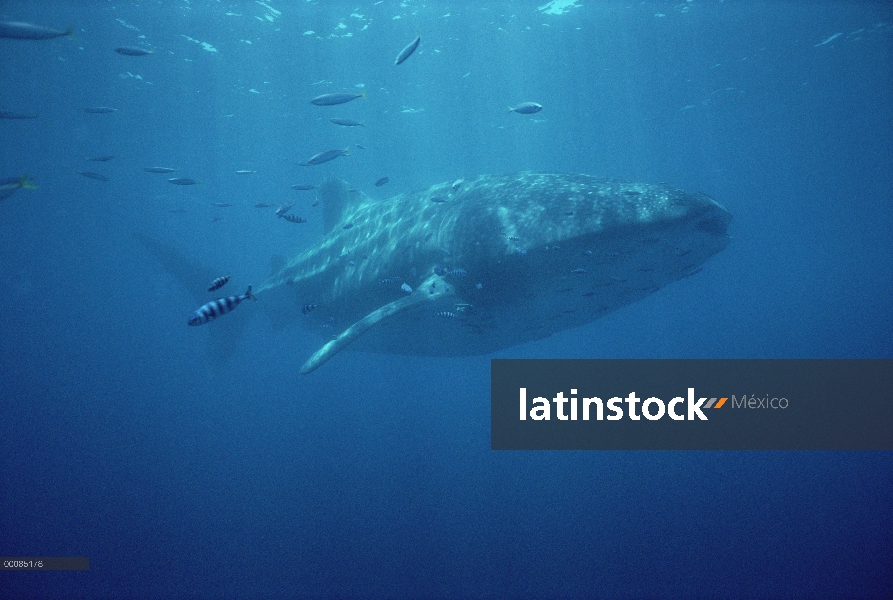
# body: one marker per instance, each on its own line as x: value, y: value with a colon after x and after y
x: 92, y: 175
x: 324, y: 157
x: 526, y: 108
x: 346, y: 122
x: 337, y: 98
x: 158, y: 170
x: 16, y: 30
x: 183, y: 181
x: 408, y: 50
x: 133, y: 51
x: 8, y: 185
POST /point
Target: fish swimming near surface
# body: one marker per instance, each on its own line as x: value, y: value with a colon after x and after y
x: 133, y: 51
x: 408, y: 50
x: 333, y: 99
x: 9, y: 185
x: 502, y: 249
x: 100, y: 110
x: 218, y: 283
x: 16, y: 30
x: 105, y: 158
x: 304, y: 187
x: 183, y: 181
x: 91, y: 175
x: 346, y: 122
x: 382, y: 181
x: 526, y: 108
x: 158, y: 170
x: 215, y: 308
x: 324, y: 157
x: 293, y: 218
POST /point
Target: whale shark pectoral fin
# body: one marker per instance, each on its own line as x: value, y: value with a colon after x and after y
x: 433, y: 288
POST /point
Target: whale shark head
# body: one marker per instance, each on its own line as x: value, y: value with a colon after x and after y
x: 492, y: 262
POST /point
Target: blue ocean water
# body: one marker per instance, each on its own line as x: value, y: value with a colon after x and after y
x: 122, y: 441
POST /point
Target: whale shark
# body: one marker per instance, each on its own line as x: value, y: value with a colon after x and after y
x: 476, y: 266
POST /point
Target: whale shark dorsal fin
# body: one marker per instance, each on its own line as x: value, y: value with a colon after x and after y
x: 334, y: 195
x: 337, y: 196
x: 433, y: 288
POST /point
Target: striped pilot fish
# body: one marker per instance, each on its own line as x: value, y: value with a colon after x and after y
x: 218, y: 283
x: 215, y: 308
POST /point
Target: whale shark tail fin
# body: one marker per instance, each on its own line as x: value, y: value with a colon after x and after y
x: 223, y: 338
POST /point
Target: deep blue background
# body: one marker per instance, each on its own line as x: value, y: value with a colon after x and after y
x: 373, y: 476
